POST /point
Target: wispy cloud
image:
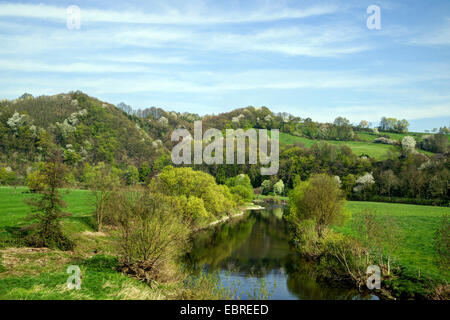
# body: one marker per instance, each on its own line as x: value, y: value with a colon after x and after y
x: 439, y: 36
x: 312, y: 58
x: 187, y: 15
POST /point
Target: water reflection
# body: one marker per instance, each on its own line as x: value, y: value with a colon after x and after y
x: 254, y: 250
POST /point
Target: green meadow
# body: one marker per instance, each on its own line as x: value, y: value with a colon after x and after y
x: 374, y: 150
x: 366, y: 147
x: 417, y: 226
x: 40, y: 273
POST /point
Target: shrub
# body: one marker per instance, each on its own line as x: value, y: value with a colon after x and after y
x: 150, y: 236
x: 266, y: 187
x: 320, y: 199
x: 241, y: 187
x: 172, y: 181
x: 278, y: 188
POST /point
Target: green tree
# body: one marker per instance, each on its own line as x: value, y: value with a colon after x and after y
x: 102, y: 180
x: 131, y: 175
x: 47, y: 209
x: 266, y: 187
x: 320, y: 199
x: 387, y: 181
x: 278, y: 188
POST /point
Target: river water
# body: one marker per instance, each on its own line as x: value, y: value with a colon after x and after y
x: 252, y: 257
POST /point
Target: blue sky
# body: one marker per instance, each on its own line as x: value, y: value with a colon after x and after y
x: 312, y: 58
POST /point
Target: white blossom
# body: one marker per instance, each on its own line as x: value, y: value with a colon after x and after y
x: 408, y: 144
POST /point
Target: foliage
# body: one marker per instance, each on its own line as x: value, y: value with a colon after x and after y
x: 266, y: 187
x: 393, y: 125
x: 172, y: 181
x: 7, y: 176
x: 102, y: 180
x: 319, y: 199
x: 278, y: 188
x: 240, y: 186
x: 408, y: 144
x: 151, y: 237
x: 47, y: 232
x: 437, y: 143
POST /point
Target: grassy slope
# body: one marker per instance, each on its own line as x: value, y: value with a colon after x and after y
x: 28, y: 273
x: 374, y: 150
x: 417, y: 223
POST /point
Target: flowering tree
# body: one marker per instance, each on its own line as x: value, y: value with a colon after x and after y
x: 408, y: 144
x: 278, y: 188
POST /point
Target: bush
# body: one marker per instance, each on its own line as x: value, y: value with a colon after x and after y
x: 217, y: 199
x: 319, y: 199
x: 266, y: 187
x: 150, y: 236
x: 241, y: 193
x: 343, y: 258
x: 241, y: 187
x: 35, y: 181
x: 7, y: 176
x: 278, y: 188
x: 305, y: 238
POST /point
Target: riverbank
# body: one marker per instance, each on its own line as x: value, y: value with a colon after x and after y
x: 414, y: 271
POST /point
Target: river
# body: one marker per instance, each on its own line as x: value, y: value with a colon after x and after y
x: 252, y: 257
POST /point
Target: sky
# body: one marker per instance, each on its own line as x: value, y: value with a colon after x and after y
x: 312, y: 58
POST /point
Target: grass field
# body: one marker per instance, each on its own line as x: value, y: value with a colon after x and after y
x: 417, y: 224
x: 40, y: 273
x: 374, y: 150
x: 13, y: 209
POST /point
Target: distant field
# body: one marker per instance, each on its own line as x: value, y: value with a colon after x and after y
x: 367, y: 136
x: 418, y: 224
x: 13, y: 209
x: 374, y: 150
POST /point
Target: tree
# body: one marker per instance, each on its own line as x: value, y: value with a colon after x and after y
x: 387, y: 181
x: 320, y: 199
x: 408, y: 144
x: 364, y: 124
x: 47, y: 209
x: 7, y: 176
x: 188, y: 182
x: 102, y: 181
x: 132, y: 175
x: 341, y: 121
x: 278, y: 188
x: 364, y: 184
x: 348, y: 182
x: 266, y: 187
